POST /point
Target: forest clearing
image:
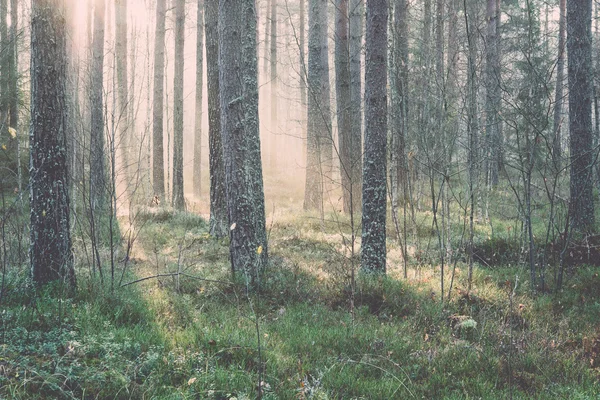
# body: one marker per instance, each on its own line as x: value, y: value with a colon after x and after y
x: 299, y: 199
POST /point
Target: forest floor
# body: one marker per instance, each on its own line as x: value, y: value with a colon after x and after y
x: 310, y: 334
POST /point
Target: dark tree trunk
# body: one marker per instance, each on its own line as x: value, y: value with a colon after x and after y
x: 198, y: 115
x: 98, y: 188
x: 178, y: 192
x: 342, y: 83
x: 50, y: 251
x: 560, y: 80
x: 579, y: 50
x: 158, y: 158
x: 318, y: 141
x: 218, y: 201
x: 373, y: 250
x: 238, y: 81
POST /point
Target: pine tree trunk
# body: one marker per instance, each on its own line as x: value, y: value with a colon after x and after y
x: 356, y: 15
x: 318, y: 141
x: 178, y: 192
x: 342, y: 82
x: 98, y: 184
x: 238, y: 82
x: 373, y: 248
x: 493, y: 95
x: 50, y: 251
x: 302, y: 45
x: 579, y: 50
x: 122, y: 112
x: 158, y: 158
x: 219, y: 226
x: 275, y: 134
x: 560, y: 80
x: 199, y: 84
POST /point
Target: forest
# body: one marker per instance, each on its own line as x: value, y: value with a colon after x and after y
x: 299, y: 199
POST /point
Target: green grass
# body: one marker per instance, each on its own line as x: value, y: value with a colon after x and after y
x: 390, y: 339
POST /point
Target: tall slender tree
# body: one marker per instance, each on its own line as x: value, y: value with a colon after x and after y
x: 579, y: 50
x: 560, y: 80
x: 50, y: 250
x: 238, y: 81
x: 318, y: 140
x: 218, y: 200
x: 158, y: 160
x: 342, y: 84
x: 122, y: 113
x: 98, y: 188
x: 178, y: 193
x: 355, y: 31
x: 373, y: 248
x: 493, y: 126
x: 199, y: 85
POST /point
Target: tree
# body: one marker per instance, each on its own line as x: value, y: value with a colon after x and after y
x: 122, y: 84
x: 199, y: 83
x: 373, y: 257
x: 355, y: 30
x: 158, y: 161
x: 238, y: 83
x: 399, y: 100
x: 178, y: 193
x: 342, y: 84
x: 50, y: 247
x: 560, y: 79
x: 579, y: 50
x: 97, y: 168
x: 218, y: 197
x: 493, y: 98
x: 318, y: 135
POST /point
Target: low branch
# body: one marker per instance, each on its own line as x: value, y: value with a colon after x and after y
x: 175, y: 274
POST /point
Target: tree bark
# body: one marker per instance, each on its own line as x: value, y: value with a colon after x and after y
x: 493, y: 94
x: 238, y: 82
x: 218, y: 201
x: 373, y: 248
x: 318, y: 141
x: 98, y: 188
x: 199, y: 84
x: 579, y: 50
x: 50, y: 251
x: 122, y: 113
x: 558, y: 94
x: 178, y: 192
x: 158, y: 160
x: 342, y: 83
x: 356, y: 15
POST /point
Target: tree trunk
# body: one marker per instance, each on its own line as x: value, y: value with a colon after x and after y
x: 342, y: 83
x: 50, y: 250
x: 558, y: 95
x: 579, y: 50
x: 218, y: 201
x: 373, y: 257
x: 13, y: 78
x: 356, y: 12
x: 122, y: 113
x: 399, y: 100
x: 158, y: 158
x: 238, y: 82
x: 98, y: 188
x: 275, y: 139
x: 493, y: 94
x: 178, y: 193
x: 199, y: 83
x: 318, y: 141
x: 302, y: 45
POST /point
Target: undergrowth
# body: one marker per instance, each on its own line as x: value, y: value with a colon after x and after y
x: 195, y: 337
